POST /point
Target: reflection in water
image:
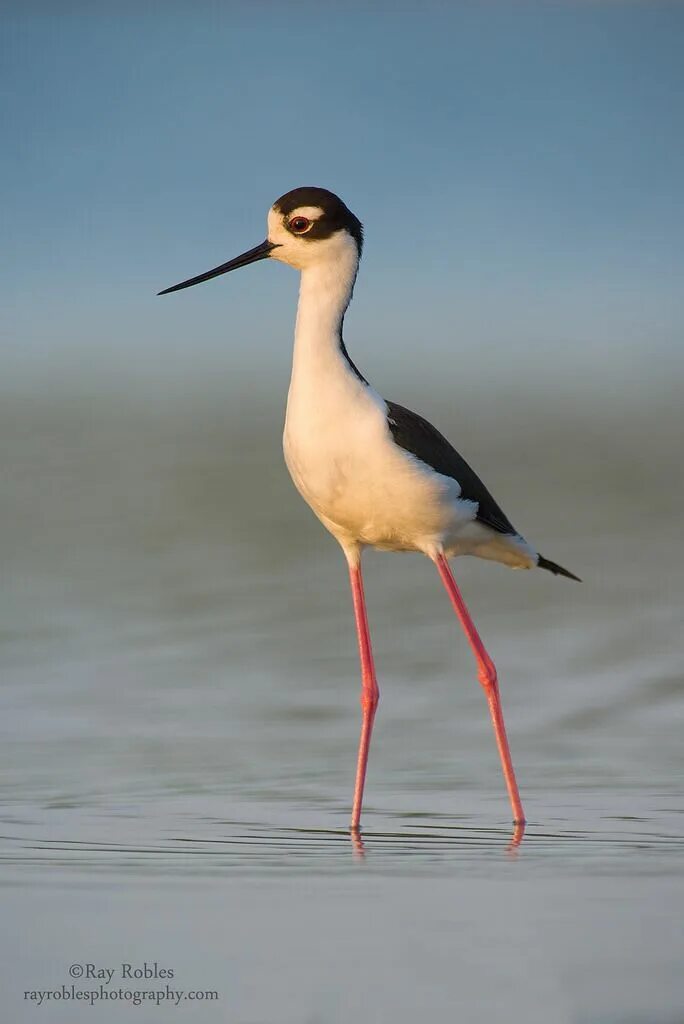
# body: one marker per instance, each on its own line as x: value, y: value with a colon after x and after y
x: 357, y: 844
x: 517, y: 837
x: 359, y: 847
x: 179, y: 844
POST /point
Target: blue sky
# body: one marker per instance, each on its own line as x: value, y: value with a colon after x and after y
x: 518, y: 168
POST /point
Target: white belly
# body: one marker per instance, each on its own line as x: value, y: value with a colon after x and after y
x: 363, y: 487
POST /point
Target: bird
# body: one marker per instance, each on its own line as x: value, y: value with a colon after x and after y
x: 376, y: 474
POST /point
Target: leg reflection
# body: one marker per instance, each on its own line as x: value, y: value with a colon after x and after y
x: 358, y: 849
x: 516, y: 838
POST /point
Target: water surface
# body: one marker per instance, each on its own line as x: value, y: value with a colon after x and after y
x: 180, y: 717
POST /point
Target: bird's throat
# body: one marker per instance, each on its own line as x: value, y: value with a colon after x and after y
x: 324, y: 295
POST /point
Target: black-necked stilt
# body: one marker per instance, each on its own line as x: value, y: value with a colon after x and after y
x: 375, y: 474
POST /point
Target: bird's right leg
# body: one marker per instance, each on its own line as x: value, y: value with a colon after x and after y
x: 488, y: 681
x: 370, y: 694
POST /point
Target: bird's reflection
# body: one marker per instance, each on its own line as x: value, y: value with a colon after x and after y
x: 516, y: 838
x: 359, y: 848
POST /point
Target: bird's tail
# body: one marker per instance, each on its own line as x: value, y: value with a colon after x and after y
x: 557, y: 570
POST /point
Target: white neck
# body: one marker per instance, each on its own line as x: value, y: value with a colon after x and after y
x: 324, y: 294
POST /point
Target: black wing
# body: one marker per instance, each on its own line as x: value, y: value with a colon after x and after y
x: 415, y: 435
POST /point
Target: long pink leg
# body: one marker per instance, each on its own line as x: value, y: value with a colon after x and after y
x: 487, y: 676
x: 370, y: 694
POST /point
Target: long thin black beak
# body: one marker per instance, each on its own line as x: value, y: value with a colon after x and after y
x: 259, y: 252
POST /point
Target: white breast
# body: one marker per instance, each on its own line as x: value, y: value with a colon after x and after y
x: 345, y: 464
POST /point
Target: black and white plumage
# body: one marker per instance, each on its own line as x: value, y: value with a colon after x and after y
x: 375, y: 473
x: 421, y: 439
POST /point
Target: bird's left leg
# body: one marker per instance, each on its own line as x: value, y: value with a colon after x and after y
x: 370, y: 694
x: 488, y: 679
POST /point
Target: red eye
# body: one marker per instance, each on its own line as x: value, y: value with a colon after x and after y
x: 299, y: 225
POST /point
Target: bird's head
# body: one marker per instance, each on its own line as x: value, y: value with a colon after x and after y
x: 311, y: 225
x: 306, y: 227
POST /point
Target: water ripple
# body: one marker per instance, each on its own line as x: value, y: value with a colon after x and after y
x: 431, y: 847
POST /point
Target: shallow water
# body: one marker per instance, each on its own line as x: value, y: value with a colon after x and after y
x: 180, y: 718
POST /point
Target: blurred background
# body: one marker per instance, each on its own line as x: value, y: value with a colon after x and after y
x: 177, y: 640
x: 518, y: 169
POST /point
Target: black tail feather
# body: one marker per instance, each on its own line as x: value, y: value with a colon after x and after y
x: 557, y: 570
